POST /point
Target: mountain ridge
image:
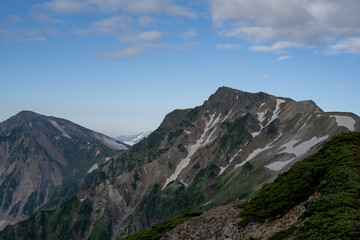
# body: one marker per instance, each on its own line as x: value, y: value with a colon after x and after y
x: 199, y: 158
x: 45, y: 154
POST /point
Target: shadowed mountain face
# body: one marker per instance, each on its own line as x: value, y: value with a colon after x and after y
x: 198, y: 158
x: 43, y: 159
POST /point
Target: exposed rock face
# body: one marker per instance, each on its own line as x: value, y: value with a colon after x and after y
x: 222, y: 223
x: 199, y: 158
x: 43, y: 158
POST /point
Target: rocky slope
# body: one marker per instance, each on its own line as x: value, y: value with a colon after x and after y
x: 44, y: 158
x: 322, y: 208
x: 198, y: 158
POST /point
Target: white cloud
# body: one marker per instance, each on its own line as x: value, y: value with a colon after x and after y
x: 168, y: 7
x: 64, y: 6
x: 46, y: 18
x: 189, y: 34
x: 276, y: 47
x: 145, y: 21
x: 306, y: 22
x: 27, y: 35
x: 149, y: 36
x: 112, y: 25
x: 227, y: 46
x: 283, y: 58
x: 131, y: 52
x: 15, y: 19
x: 350, y: 45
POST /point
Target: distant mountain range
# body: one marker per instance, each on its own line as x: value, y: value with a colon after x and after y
x: 44, y: 159
x: 224, y: 150
x: 133, y: 139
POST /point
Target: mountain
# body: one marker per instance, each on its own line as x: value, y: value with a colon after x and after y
x: 43, y: 159
x: 133, y: 139
x: 314, y: 199
x: 200, y: 158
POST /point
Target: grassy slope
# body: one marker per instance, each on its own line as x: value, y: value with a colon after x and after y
x: 334, y: 172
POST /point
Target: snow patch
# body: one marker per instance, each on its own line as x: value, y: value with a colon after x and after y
x: 277, y: 110
x: 222, y: 169
x: 111, y: 143
x: 192, y: 149
x: 107, y: 159
x: 93, y: 168
x: 261, y: 115
x: 253, y: 154
x: 277, y: 166
x: 345, y: 121
x: 258, y: 151
x: 305, y: 123
x: 30, y: 125
x: 303, y: 147
x: 274, y: 116
x: 97, y: 153
x: 227, y: 116
x: 137, y: 138
x: 145, y: 171
x: 184, y: 183
x: 187, y: 132
x: 2, y: 223
x: 60, y: 129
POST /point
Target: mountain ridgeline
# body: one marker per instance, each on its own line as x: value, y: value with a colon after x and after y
x: 197, y: 159
x: 44, y: 159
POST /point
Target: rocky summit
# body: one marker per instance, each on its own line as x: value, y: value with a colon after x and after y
x: 222, y: 151
x: 43, y: 159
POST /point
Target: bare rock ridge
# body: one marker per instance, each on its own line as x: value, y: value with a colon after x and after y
x: 42, y: 158
x: 223, y: 150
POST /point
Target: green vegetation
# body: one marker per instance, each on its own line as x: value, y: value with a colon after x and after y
x: 283, y: 234
x: 160, y: 229
x: 292, y: 122
x: 100, y: 230
x: 333, y: 172
x: 235, y: 134
x: 68, y: 221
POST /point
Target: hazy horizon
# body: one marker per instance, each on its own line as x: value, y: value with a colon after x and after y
x: 118, y: 67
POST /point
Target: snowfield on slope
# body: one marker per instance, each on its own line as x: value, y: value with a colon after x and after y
x: 345, y: 121
x: 93, y: 168
x: 60, y: 129
x: 274, y: 116
x: 192, y: 149
x: 298, y: 150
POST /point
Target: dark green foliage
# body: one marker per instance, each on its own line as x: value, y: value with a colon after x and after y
x: 207, y: 174
x: 283, y: 234
x: 160, y: 229
x: 100, y: 230
x: 68, y: 221
x: 136, y: 178
x: 247, y: 168
x: 271, y: 129
x: 176, y: 199
x: 174, y: 135
x: 235, y: 134
x: 333, y: 172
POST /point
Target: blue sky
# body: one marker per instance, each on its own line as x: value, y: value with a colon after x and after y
x: 119, y: 66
